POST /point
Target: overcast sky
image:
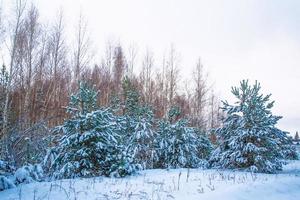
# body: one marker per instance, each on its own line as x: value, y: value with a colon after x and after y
x: 236, y: 39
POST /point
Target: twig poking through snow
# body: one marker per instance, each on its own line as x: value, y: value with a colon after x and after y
x: 179, y: 175
x: 188, y: 175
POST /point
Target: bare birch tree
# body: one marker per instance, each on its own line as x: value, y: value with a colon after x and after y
x: 31, y: 37
x: 82, y: 54
x: 57, y: 61
x: 131, y: 59
x: 14, y: 32
x: 146, y: 75
x: 200, y: 96
x: 172, y: 75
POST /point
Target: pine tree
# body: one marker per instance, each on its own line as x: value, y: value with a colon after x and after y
x: 162, y: 142
x: 289, y: 149
x: 204, y: 147
x: 139, y: 132
x: 177, y: 145
x: 249, y: 138
x: 91, y: 143
x: 131, y: 97
x: 140, y: 144
x: 84, y: 101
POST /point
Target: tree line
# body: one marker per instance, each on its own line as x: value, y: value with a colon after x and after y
x: 43, y: 67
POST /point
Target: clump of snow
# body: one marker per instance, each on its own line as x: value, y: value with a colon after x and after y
x: 22, y: 175
x: 5, y: 168
x: 6, y: 183
x: 2, y: 164
x: 28, y: 174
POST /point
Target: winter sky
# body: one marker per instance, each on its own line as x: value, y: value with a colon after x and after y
x: 236, y: 39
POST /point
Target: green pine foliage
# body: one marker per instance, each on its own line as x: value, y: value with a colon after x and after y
x: 84, y: 101
x: 91, y: 144
x: 97, y: 142
x: 249, y: 138
x: 140, y: 144
x: 204, y: 147
x: 183, y: 146
x: 174, y: 113
x: 131, y: 98
x: 180, y: 146
x: 139, y: 133
x: 289, y: 150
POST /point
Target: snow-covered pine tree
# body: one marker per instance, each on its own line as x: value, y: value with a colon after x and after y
x: 289, y: 149
x: 184, y: 146
x: 130, y: 108
x: 177, y: 145
x: 91, y: 143
x: 84, y: 101
x: 249, y: 139
x: 204, y: 147
x: 140, y: 144
x: 161, y: 143
x: 131, y: 98
x: 132, y: 103
x: 139, y: 133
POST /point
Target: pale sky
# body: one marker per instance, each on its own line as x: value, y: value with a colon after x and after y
x: 236, y: 39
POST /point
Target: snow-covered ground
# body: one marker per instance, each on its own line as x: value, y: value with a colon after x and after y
x: 169, y: 184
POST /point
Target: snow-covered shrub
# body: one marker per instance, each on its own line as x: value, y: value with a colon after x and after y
x: 6, y: 171
x: 5, y: 168
x: 6, y: 183
x: 25, y: 146
x: 29, y: 173
x: 49, y: 159
x: 37, y: 172
x: 249, y: 138
x: 22, y: 175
